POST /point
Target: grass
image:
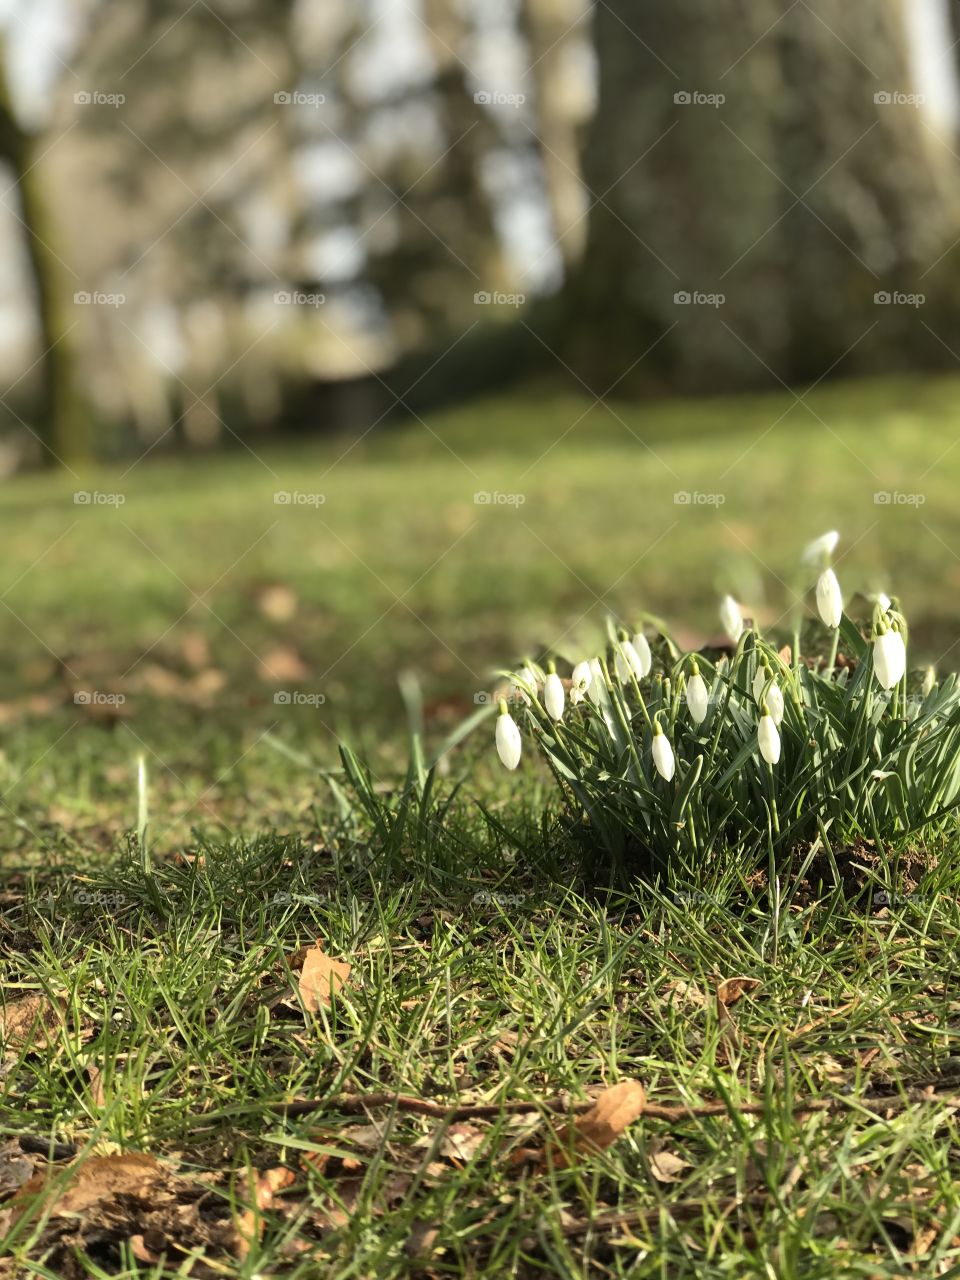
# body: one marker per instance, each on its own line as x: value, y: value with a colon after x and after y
x: 481, y: 967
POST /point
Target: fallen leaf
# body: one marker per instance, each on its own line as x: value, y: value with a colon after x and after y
x: 32, y: 1022
x: 195, y: 649
x: 614, y: 1110
x: 666, y: 1166
x: 95, y: 1076
x: 282, y: 663
x: 96, y: 1179
x: 730, y: 990
x: 15, y: 1168
x: 321, y: 978
x: 250, y: 1225
x: 277, y: 602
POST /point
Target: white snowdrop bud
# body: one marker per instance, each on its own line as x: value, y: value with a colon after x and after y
x: 642, y: 649
x: 628, y: 662
x: 731, y: 618
x: 698, y: 699
x: 929, y: 680
x: 508, y: 738
x: 597, y: 689
x: 768, y: 739
x: 829, y: 599
x: 553, y: 695
x: 662, y: 753
x: 889, y: 657
x: 822, y: 548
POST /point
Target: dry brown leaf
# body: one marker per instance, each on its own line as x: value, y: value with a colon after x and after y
x: 614, y: 1110
x: 95, y: 1076
x: 321, y: 977
x: 15, y: 1168
x: 280, y: 664
x: 250, y: 1226
x: 195, y: 649
x: 667, y: 1166
x: 277, y: 602
x: 32, y: 1022
x: 96, y: 1179
x: 730, y: 990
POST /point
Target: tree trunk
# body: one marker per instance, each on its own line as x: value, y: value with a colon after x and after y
x: 63, y: 417
x: 754, y: 191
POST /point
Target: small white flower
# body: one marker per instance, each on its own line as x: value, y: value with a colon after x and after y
x: 821, y: 548
x: 775, y: 704
x: 508, y: 738
x: 766, y: 687
x: 642, y: 648
x: 628, y: 662
x: 768, y: 739
x: 731, y: 618
x: 889, y: 658
x: 663, y: 753
x: 553, y: 696
x: 528, y: 676
x: 698, y: 699
x: 597, y: 689
x: 829, y: 599
x: 580, y: 682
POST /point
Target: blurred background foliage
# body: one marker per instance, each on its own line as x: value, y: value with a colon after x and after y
x: 227, y: 219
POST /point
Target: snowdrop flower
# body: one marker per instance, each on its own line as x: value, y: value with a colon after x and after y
x: 821, y: 549
x: 528, y: 676
x: 553, y: 695
x: 629, y: 662
x: 829, y: 599
x: 731, y: 618
x: 597, y: 690
x: 508, y: 738
x: 768, y: 737
x: 580, y: 682
x: 698, y: 699
x: 766, y: 689
x: 929, y: 680
x: 642, y: 648
x: 889, y: 655
x: 662, y: 752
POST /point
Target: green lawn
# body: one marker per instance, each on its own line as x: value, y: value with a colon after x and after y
x: 479, y: 972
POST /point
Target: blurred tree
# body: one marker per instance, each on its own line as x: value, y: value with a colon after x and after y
x: 800, y: 193
x: 62, y: 414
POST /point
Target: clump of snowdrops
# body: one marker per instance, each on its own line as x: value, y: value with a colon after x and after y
x: 667, y: 757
